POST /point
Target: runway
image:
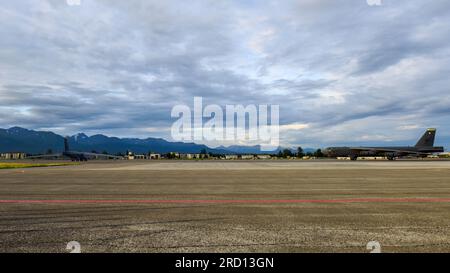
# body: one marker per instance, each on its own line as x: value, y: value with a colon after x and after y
x: 218, y: 206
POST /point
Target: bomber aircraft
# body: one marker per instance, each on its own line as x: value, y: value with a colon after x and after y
x: 423, y: 148
x: 75, y: 155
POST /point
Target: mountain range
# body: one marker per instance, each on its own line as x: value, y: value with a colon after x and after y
x: 17, y: 139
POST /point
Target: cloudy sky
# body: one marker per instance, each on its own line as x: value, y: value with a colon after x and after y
x: 342, y: 71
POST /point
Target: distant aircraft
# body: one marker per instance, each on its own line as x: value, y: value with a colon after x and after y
x: 74, y: 155
x: 423, y: 148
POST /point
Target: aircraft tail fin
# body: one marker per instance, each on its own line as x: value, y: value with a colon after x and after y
x: 66, y: 144
x: 427, y: 140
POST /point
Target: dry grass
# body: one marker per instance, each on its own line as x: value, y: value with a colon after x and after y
x: 4, y: 165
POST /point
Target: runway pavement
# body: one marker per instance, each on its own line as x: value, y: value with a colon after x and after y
x: 236, y: 206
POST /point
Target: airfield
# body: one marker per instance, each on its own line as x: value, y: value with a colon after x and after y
x: 227, y: 206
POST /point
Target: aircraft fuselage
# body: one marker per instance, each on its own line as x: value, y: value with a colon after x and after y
x: 75, y: 156
x: 380, y: 151
x: 423, y: 148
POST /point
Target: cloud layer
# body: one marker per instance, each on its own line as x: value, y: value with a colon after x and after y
x: 342, y: 71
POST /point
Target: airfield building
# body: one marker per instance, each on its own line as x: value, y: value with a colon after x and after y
x: 13, y: 156
x: 140, y: 156
x: 154, y: 156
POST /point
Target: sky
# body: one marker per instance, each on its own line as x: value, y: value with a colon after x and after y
x: 341, y: 71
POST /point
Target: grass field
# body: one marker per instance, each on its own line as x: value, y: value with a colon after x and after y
x: 4, y: 165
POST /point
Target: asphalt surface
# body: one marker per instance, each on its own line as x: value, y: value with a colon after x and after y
x: 217, y: 206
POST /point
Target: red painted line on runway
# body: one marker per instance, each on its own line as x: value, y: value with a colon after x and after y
x: 228, y: 201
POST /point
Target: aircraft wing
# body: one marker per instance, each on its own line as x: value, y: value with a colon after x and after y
x: 45, y: 156
x: 103, y: 155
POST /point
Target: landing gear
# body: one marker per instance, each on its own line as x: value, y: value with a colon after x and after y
x: 391, y: 158
x: 79, y: 159
x: 353, y: 157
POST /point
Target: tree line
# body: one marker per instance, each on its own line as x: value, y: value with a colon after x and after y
x: 286, y: 153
